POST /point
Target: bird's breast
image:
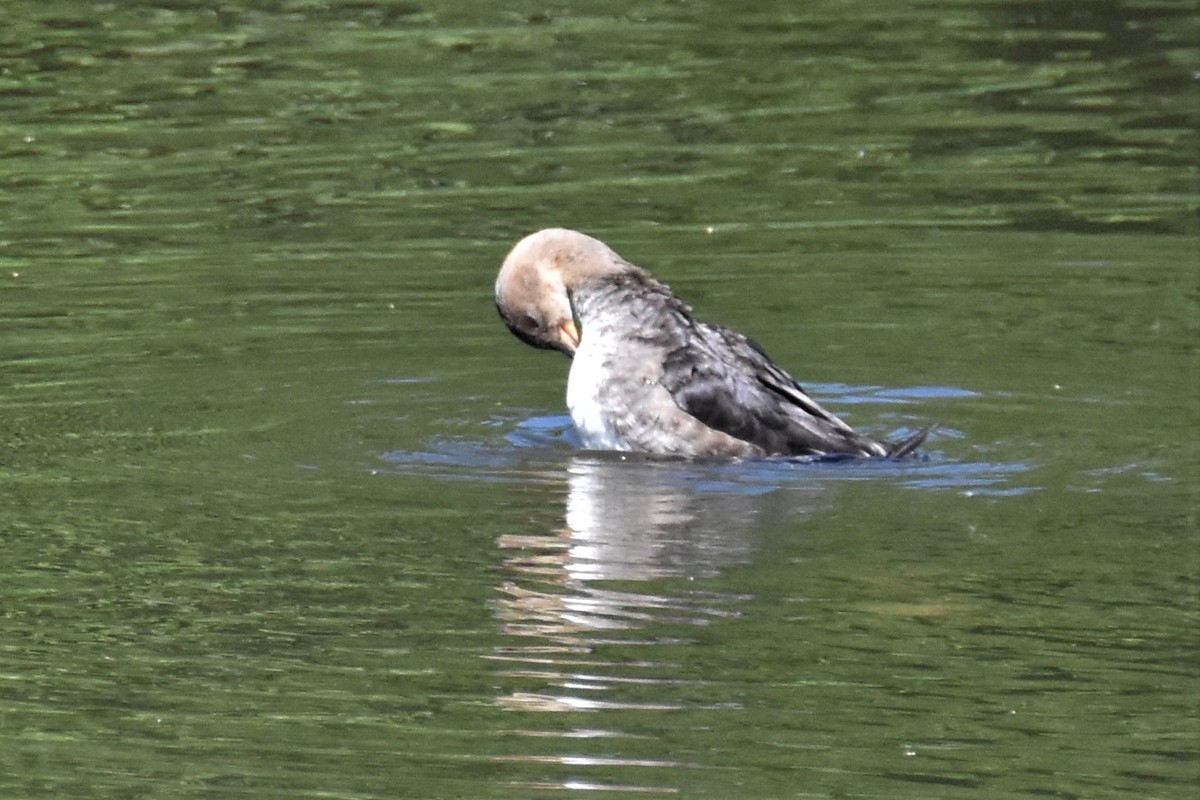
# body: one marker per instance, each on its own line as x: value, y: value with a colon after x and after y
x: 589, y: 392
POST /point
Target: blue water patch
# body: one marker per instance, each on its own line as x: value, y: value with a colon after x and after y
x: 546, y: 448
x: 544, y: 432
x: 843, y: 394
x: 912, y: 393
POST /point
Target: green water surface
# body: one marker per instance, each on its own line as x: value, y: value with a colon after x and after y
x: 286, y: 512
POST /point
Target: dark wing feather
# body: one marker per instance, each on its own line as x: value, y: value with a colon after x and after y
x: 727, y: 382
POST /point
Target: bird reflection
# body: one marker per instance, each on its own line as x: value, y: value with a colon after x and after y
x: 628, y: 520
x: 598, y: 611
x: 649, y: 519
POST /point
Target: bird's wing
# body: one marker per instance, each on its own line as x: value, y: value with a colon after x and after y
x: 726, y: 381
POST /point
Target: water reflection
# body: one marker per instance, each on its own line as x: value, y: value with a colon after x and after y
x: 652, y: 520
x: 632, y: 520
x: 604, y: 611
x: 625, y: 521
x: 604, y: 604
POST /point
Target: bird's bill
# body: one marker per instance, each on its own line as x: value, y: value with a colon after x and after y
x: 568, y: 334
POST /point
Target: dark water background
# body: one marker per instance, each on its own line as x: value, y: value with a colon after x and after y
x: 287, y: 513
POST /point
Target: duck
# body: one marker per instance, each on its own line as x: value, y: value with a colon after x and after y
x: 647, y: 377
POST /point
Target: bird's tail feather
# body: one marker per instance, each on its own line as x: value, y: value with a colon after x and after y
x: 907, y: 446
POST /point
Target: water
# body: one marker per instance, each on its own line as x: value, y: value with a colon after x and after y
x: 287, y: 513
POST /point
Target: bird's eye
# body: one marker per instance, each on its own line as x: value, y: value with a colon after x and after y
x: 527, y: 323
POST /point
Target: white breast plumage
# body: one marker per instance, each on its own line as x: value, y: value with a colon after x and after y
x: 584, y: 385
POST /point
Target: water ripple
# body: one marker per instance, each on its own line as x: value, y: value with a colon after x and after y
x: 546, y: 449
